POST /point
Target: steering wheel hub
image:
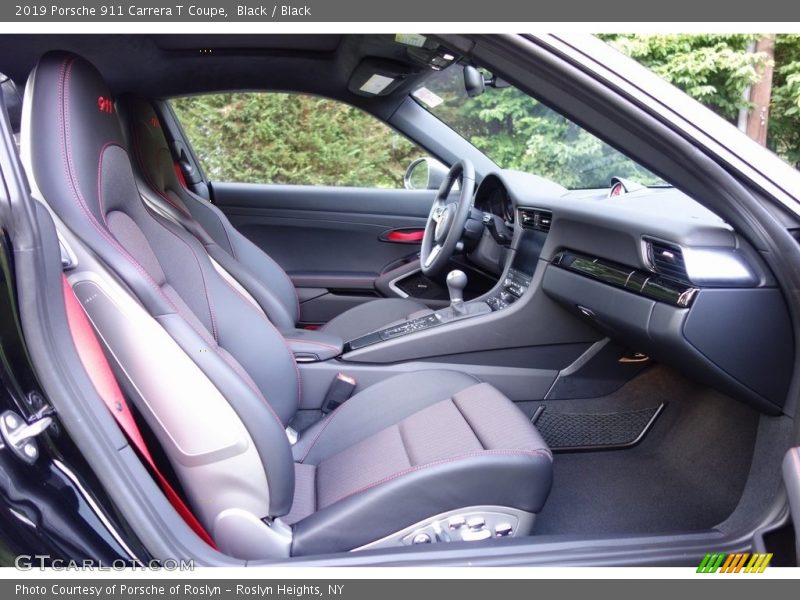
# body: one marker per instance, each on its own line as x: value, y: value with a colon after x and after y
x: 444, y: 224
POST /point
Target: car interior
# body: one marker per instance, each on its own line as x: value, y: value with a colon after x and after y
x: 488, y: 358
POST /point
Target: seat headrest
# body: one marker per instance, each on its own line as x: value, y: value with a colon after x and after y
x: 72, y: 142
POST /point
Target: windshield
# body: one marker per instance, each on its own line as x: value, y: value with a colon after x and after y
x: 518, y: 132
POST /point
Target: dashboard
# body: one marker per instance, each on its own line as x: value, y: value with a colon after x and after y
x: 651, y: 269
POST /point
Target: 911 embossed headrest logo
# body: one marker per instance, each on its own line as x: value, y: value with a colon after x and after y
x: 105, y: 105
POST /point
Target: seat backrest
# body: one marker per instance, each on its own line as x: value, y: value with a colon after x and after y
x: 159, y: 183
x: 73, y: 142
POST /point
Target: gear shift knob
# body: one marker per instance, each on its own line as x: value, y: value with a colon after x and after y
x: 456, y: 282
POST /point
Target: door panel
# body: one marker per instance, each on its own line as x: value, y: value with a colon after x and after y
x: 328, y: 238
x: 320, y: 230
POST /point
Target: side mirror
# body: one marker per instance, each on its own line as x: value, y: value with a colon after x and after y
x: 424, y: 173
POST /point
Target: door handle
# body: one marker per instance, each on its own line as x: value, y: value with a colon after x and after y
x: 408, y: 235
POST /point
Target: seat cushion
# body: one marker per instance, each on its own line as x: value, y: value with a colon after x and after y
x: 359, y: 482
x: 372, y: 315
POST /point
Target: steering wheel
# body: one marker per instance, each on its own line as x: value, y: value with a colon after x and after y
x: 446, y: 220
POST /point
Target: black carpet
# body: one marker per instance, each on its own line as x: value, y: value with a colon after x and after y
x: 687, y: 474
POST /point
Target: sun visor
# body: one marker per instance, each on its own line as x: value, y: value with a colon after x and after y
x: 379, y: 76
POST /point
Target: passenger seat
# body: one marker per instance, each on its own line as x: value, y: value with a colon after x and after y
x: 250, y: 266
x: 425, y: 457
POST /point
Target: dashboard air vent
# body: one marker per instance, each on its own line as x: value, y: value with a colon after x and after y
x: 666, y: 259
x: 533, y: 218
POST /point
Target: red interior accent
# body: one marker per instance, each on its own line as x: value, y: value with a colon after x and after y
x: 406, y: 236
x: 96, y: 365
x: 312, y: 327
x: 179, y: 173
x: 105, y: 104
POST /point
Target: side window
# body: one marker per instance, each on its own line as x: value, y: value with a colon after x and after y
x: 267, y: 137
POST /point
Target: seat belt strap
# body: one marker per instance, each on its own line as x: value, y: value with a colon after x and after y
x: 96, y: 365
x: 179, y: 173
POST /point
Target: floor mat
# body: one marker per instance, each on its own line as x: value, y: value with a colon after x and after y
x: 687, y: 474
x: 570, y: 431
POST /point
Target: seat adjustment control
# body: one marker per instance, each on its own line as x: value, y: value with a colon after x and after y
x: 464, y: 527
x: 473, y: 535
x: 469, y: 524
x: 456, y: 522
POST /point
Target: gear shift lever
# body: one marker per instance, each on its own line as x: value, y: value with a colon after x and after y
x: 456, y: 282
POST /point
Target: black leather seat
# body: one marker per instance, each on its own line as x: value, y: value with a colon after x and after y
x: 259, y: 274
x: 402, y: 453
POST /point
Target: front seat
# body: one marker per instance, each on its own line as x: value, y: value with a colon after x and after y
x: 431, y: 456
x: 259, y: 274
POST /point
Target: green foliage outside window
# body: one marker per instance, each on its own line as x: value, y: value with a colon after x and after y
x: 518, y: 132
x: 784, y: 120
x: 292, y: 139
x: 717, y: 69
x: 298, y: 139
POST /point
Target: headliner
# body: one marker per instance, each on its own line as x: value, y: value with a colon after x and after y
x: 159, y: 66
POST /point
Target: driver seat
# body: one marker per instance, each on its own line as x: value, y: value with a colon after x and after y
x: 162, y: 189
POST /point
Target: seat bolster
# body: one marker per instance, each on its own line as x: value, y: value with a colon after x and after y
x: 375, y: 408
x: 265, y: 427
x: 372, y: 315
x: 281, y: 314
x: 519, y: 479
x: 261, y: 265
x: 250, y: 266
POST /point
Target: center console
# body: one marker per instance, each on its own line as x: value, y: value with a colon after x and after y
x: 440, y: 317
x: 514, y: 286
x: 535, y: 225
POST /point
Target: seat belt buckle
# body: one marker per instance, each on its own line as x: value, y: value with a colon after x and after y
x: 341, y: 389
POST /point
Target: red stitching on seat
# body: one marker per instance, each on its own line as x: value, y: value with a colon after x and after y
x: 545, y: 453
x: 330, y: 418
x: 227, y: 237
x: 214, y: 330
x: 66, y: 153
x: 280, y: 335
x: 314, y: 343
x: 137, y: 150
x: 274, y: 262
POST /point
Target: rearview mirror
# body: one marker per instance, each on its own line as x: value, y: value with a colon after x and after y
x: 424, y: 173
x: 475, y: 83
